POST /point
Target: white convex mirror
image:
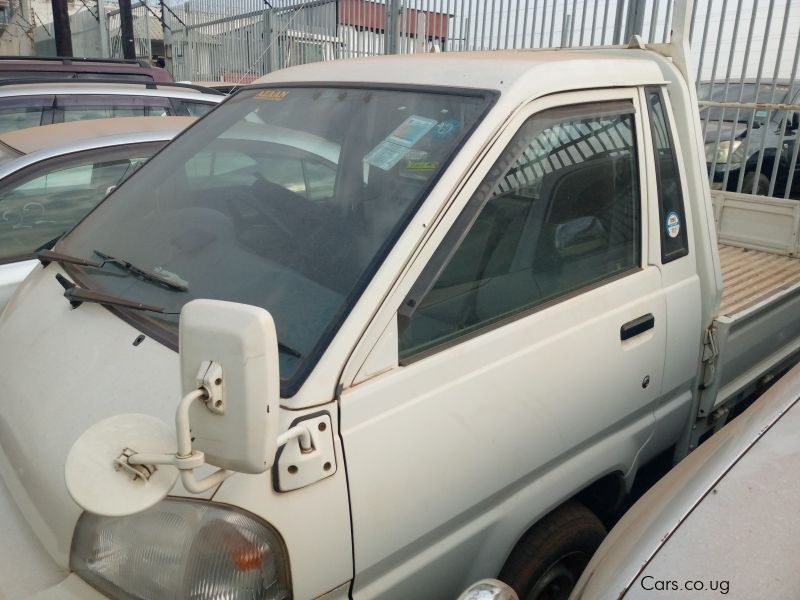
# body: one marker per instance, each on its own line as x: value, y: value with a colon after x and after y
x: 239, y: 431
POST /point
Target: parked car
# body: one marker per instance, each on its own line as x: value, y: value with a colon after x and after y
x: 29, y: 104
x: 51, y: 176
x: 226, y: 87
x: 51, y: 67
x: 438, y: 354
x: 724, y: 521
x: 734, y: 137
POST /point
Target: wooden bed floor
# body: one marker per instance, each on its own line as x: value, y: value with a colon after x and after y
x: 750, y: 276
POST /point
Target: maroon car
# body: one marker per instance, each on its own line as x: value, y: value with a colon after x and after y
x: 46, y: 67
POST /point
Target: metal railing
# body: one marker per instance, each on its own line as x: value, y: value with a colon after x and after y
x: 745, y: 53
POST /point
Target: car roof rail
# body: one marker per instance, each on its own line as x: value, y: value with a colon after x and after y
x: 68, y: 60
x: 150, y: 85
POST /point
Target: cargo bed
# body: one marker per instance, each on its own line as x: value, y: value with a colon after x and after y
x: 757, y: 332
x: 752, y: 276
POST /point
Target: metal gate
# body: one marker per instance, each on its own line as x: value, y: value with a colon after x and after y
x: 747, y: 58
x: 745, y: 53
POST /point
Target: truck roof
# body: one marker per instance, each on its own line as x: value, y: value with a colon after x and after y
x: 553, y: 70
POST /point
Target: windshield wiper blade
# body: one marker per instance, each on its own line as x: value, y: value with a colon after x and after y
x: 48, y: 256
x: 78, y: 295
x: 162, y: 276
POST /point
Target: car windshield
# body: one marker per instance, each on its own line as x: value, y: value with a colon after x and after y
x: 284, y: 198
x: 750, y: 92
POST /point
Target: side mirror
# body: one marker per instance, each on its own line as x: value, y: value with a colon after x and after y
x: 233, y: 350
x: 228, y: 418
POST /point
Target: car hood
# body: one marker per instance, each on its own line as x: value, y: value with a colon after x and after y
x: 723, y: 129
x: 642, y: 534
x: 62, y: 370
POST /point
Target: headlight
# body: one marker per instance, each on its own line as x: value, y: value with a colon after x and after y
x: 181, y: 549
x: 723, y: 150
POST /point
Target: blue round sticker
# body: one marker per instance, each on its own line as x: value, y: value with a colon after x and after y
x: 673, y: 224
x: 446, y: 129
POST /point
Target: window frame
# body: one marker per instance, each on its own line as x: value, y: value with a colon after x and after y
x: 666, y: 258
x: 460, y: 226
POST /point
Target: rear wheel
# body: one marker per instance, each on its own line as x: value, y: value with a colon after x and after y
x: 761, y: 181
x: 547, y: 562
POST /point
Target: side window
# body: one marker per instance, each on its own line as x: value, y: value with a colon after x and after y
x: 558, y: 212
x: 81, y: 108
x: 23, y: 112
x: 48, y: 198
x: 320, y: 179
x: 187, y: 108
x: 674, y: 242
x: 229, y: 165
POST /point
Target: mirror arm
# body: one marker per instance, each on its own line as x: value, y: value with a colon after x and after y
x: 182, y: 426
x: 195, y: 486
x: 186, y: 459
x: 298, y: 431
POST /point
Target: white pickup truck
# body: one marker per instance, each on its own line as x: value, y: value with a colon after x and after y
x: 495, y: 283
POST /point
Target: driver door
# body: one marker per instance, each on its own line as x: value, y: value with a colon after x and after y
x: 529, y: 347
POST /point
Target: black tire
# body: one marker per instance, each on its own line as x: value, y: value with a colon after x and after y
x: 762, y: 183
x: 547, y: 562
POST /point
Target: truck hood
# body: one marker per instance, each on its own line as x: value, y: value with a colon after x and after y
x: 61, y: 371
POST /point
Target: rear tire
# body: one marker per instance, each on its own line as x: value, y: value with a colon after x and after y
x: 762, y: 183
x: 547, y: 562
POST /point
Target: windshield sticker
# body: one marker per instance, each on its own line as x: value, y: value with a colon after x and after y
x: 412, y: 130
x: 386, y: 155
x: 673, y: 224
x: 274, y: 95
x: 421, y: 165
x: 398, y: 143
x: 446, y: 129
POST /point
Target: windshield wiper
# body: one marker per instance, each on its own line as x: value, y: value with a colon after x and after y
x: 159, y: 275
x: 162, y: 276
x: 78, y: 295
x: 48, y: 256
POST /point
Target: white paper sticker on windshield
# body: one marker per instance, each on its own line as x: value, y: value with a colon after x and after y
x: 412, y: 130
x: 386, y: 155
x: 397, y: 144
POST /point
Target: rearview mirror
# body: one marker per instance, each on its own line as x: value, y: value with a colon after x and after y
x: 239, y: 430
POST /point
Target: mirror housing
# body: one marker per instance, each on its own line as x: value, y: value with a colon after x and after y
x: 240, y: 431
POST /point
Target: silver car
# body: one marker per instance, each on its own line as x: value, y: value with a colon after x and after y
x: 26, y: 104
x: 50, y: 177
x: 726, y: 520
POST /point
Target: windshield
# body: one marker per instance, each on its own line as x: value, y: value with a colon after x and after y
x: 284, y: 198
x: 749, y: 92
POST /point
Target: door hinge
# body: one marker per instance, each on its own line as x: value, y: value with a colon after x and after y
x: 296, y: 467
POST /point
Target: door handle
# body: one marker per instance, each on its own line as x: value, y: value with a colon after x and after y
x: 637, y: 326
